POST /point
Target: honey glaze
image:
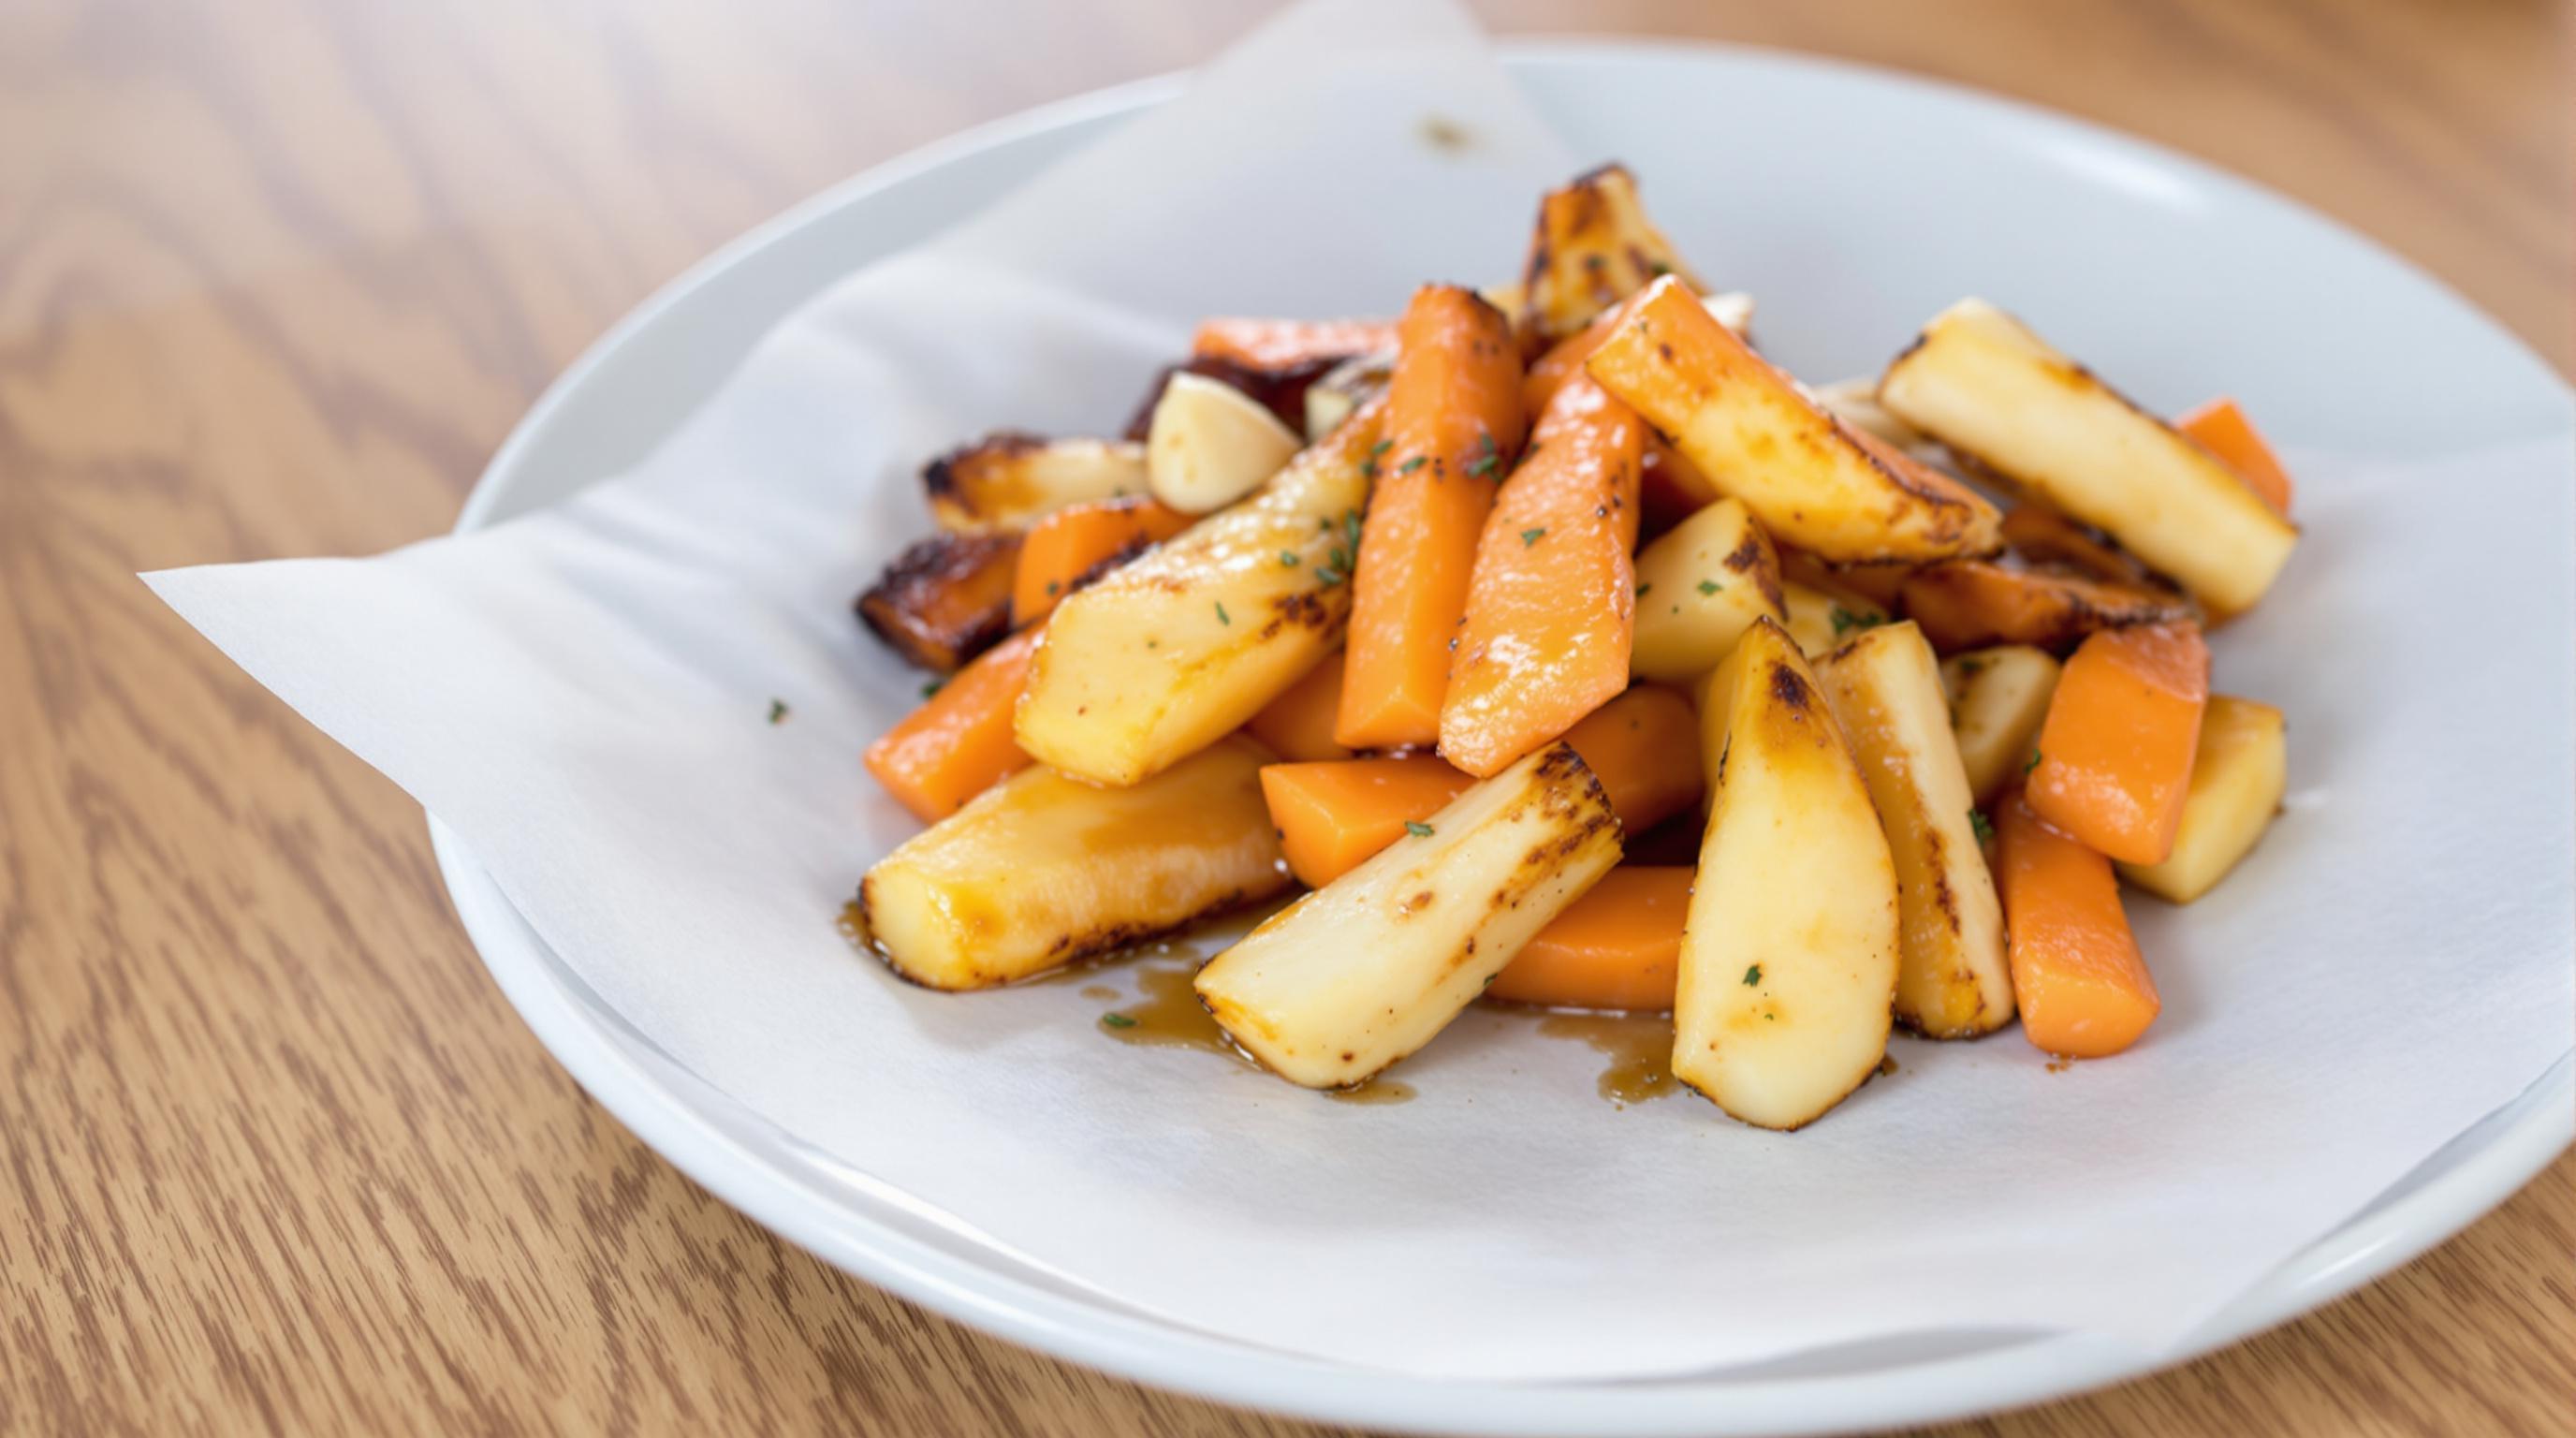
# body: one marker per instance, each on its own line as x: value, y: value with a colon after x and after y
x: 1639, y: 1048
x: 853, y: 925
x: 1168, y: 1014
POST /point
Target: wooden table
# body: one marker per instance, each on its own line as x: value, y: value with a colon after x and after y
x: 275, y: 278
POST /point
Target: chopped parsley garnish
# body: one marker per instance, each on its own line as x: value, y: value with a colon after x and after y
x: 1221, y: 616
x: 1410, y: 465
x: 777, y: 711
x: 1351, y: 530
x: 1972, y: 665
x: 1845, y: 620
x: 933, y: 687
x: 1532, y: 536
x: 1054, y: 587
x: 1417, y: 828
x: 1642, y: 588
x: 2030, y: 763
x: 1368, y: 466
x: 1118, y: 1021
x: 1488, y: 458
x: 1288, y: 557
x: 1708, y: 586
x: 1984, y: 826
x: 1753, y: 976
x: 1328, y: 576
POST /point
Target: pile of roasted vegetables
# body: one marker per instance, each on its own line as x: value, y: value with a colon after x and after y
x: 1361, y: 605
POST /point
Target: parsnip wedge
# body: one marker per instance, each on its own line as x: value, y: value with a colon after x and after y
x: 1820, y: 618
x: 1840, y: 493
x: 1952, y: 981
x: 1360, y: 973
x: 1998, y: 699
x: 1041, y: 870
x: 1165, y: 654
x: 1982, y: 383
x: 1211, y: 444
x: 1700, y: 585
x: 1593, y: 248
x: 2237, y: 777
x: 1009, y: 480
x: 1788, y: 962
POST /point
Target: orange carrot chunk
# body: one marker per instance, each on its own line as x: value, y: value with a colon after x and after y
x: 1617, y: 947
x: 1644, y: 748
x: 1552, y: 604
x: 2082, y: 989
x: 1271, y: 345
x: 2223, y: 430
x: 1298, y: 725
x: 1453, y: 426
x: 958, y: 744
x: 1081, y: 542
x: 2116, y: 749
x: 1332, y: 816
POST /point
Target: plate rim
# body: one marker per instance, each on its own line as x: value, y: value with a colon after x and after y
x: 1168, y: 1356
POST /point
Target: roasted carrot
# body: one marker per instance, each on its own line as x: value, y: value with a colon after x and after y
x: 2077, y: 977
x: 1644, y: 748
x: 2115, y: 753
x: 1564, y: 360
x: 1079, y: 543
x: 1616, y: 948
x: 1974, y: 603
x: 944, y: 599
x: 1272, y: 345
x: 1880, y: 584
x: 1332, y: 816
x: 1298, y: 725
x: 957, y: 744
x: 1453, y: 428
x: 2223, y: 430
x: 1552, y: 604
x: 1670, y: 489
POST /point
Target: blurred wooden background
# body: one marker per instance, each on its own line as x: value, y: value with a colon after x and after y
x: 275, y: 278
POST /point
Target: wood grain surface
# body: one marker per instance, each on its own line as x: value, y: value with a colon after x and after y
x: 275, y: 278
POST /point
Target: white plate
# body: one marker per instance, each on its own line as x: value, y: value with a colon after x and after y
x: 2126, y: 209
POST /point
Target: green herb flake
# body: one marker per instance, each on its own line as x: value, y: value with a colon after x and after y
x: 1753, y: 977
x: 1642, y: 588
x: 1417, y: 828
x: 1845, y: 620
x: 1118, y: 1021
x: 1708, y: 586
x: 1289, y: 558
x: 1054, y: 588
x: 1972, y: 665
x: 1984, y: 826
x: 777, y: 711
x: 1328, y: 576
x: 1488, y: 458
x: 1221, y: 616
x: 1410, y: 465
x: 1351, y: 530
x: 1532, y: 536
x: 933, y: 687
x: 2030, y: 763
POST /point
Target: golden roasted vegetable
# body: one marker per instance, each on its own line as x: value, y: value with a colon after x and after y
x: 2238, y: 775
x: 1789, y: 956
x: 1855, y: 402
x: 944, y: 599
x: 1166, y: 653
x: 1985, y: 385
x: 1008, y: 479
x: 1815, y: 482
x: 1998, y: 699
x: 1593, y: 248
x: 1040, y: 870
x: 1821, y: 617
x: 1343, y: 389
x: 1973, y: 603
x: 1211, y: 444
x: 1700, y: 585
x: 1951, y: 978
x: 1365, y: 970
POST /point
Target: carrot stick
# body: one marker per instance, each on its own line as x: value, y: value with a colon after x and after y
x: 1271, y: 345
x: 1332, y: 816
x: 2082, y: 988
x: 1298, y: 725
x: 1453, y: 426
x: 1617, y: 947
x: 1671, y: 489
x: 2223, y: 430
x: 1080, y: 542
x: 1644, y: 748
x: 2115, y: 753
x: 1552, y: 604
x: 958, y: 743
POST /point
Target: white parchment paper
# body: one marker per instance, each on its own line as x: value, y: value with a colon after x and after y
x: 583, y: 694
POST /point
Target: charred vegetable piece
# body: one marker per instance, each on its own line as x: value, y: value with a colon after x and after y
x: 945, y: 599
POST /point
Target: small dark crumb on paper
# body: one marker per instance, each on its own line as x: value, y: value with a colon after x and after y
x: 1446, y: 135
x: 777, y: 711
x: 2059, y: 1066
x: 1886, y: 1065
